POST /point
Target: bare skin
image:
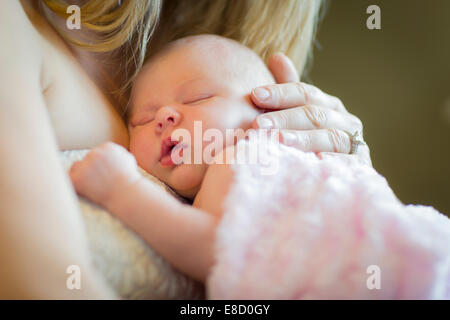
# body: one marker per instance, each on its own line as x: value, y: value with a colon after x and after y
x: 206, y: 78
x: 52, y: 98
x: 45, y: 97
x: 183, y: 234
x: 165, y: 98
x: 182, y: 85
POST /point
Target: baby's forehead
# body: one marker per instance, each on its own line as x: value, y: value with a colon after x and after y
x: 226, y: 61
x: 218, y: 47
x: 224, y: 55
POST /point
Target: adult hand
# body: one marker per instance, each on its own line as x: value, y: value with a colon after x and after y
x: 308, y: 118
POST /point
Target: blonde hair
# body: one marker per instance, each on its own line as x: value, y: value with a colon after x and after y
x: 265, y: 26
x: 140, y: 27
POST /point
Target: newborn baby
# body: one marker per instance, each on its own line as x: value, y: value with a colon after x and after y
x: 205, y: 78
x: 202, y: 78
x: 313, y: 229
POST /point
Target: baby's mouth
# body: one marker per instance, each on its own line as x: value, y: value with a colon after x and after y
x: 167, y: 145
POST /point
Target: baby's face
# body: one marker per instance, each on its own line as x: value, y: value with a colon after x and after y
x: 202, y: 81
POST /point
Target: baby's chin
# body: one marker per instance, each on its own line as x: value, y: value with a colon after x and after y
x: 186, y: 179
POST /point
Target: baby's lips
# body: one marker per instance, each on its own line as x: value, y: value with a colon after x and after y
x: 178, y: 149
x: 178, y: 152
x: 167, y: 146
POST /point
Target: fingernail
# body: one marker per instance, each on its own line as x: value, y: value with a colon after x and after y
x: 262, y: 94
x: 264, y: 123
x: 289, y: 138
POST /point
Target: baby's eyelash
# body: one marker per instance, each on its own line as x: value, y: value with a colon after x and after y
x: 199, y: 99
x: 141, y: 122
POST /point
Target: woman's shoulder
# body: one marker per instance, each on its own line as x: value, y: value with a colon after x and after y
x: 20, y: 48
x: 23, y: 32
x: 23, y: 12
x: 74, y: 98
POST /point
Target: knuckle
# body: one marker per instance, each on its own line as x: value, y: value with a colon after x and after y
x: 304, y: 141
x: 357, y: 123
x: 339, y: 140
x: 280, y: 94
x: 317, y: 116
x: 94, y: 157
x: 337, y: 103
x: 280, y: 119
x: 334, y: 102
x: 302, y: 92
x: 307, y: 142
x: 283, y: 119
x: 274, y: 93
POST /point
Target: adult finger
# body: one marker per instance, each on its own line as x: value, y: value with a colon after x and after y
x: 290, y: 95
x: 349, y: 159
x: 308, y: 117
x: 322, y: 140
x: 361, y: 156
x: 282, y: 68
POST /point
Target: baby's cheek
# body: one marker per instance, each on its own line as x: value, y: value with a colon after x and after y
x: 187, y: 179
x: 142, y: 151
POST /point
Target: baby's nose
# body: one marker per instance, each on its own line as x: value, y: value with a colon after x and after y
x: 165, y: 117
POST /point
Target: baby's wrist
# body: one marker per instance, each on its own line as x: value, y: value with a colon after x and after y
x: 119, y: 193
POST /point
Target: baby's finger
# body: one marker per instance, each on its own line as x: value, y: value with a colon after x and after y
x: 74, y: 169
x: 75, y: 175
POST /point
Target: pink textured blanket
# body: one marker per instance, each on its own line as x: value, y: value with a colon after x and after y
x: 324, y: 229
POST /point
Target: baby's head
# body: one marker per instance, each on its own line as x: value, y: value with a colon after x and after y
x: 199, y: 78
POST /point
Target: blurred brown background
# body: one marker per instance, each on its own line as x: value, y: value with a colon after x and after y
x: 397, y: 81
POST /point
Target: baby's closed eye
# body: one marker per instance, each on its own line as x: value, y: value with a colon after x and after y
x: 197, y: 98
x: 142, y: 120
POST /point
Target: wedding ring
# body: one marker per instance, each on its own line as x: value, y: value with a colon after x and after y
x: 356, y: 140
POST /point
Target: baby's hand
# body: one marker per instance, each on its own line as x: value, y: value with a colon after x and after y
x: 104, y: 172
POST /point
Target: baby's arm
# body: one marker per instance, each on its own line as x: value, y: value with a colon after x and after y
x: 182, y: 234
